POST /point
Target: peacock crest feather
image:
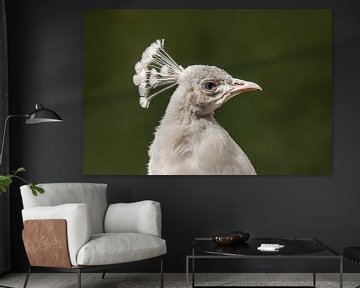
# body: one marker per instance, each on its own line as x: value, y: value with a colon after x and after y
x: 156, y: 72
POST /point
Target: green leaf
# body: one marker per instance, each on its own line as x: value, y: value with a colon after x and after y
x: 36, y: 189
x: 5, y: 182
x: 33, y: 189
x: 20, y: 169
x: 39, y: 189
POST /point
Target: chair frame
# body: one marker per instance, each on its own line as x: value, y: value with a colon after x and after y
x: 82, y: 269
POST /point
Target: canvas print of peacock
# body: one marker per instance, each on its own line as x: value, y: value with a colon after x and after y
x: 247, y: 94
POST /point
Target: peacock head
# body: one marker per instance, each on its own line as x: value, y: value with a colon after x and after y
x: 208, y: 87
x: 204, y: 88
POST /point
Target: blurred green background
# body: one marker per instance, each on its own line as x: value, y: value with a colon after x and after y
x: 285, y: 130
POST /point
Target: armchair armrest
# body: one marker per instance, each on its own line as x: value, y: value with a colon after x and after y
x: 138, y: 217
x: 77, y: 218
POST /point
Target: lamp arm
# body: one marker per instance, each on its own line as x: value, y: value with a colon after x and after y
x: 4, y: 134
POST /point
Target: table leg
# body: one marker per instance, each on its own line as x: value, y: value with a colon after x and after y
x: 341, y: 273
x: 193, y: 272
x: 187, y: 272
x: 314, y: 271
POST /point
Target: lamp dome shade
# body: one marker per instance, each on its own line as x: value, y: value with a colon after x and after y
x: 42, y: 115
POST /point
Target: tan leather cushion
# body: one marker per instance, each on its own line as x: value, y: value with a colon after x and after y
x: 77, y: 218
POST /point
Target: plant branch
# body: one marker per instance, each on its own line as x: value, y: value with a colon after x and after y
x: 6, y: 180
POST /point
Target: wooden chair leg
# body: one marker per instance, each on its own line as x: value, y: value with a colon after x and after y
x: 27, y: 277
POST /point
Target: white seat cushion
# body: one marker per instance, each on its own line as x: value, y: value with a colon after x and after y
x: 113, y: 248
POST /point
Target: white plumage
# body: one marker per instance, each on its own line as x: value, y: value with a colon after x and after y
x: 188, y: 140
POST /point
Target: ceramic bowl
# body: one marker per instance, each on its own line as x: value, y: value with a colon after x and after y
x: 225, y: 239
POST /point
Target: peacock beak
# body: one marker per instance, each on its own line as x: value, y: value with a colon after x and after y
x: 240, y: 86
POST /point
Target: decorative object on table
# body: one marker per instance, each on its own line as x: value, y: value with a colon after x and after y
x: 39, y: 115
x: 270, y: 247
x: 224, y: 239
x: 88, y: 234
x: 231, y: 238
x: 242, y: 236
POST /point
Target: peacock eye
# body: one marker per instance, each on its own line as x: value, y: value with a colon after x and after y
x: 210, y: 85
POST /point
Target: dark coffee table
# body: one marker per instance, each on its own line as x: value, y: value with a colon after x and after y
x: 294, y: 248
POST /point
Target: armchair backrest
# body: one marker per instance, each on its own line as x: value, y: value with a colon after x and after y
x: 92, y: 194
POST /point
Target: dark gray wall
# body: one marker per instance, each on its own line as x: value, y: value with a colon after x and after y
x: 45, y: 50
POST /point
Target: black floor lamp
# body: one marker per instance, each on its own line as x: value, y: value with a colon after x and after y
x: 39, y: 115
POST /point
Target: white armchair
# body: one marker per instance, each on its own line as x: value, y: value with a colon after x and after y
x: 72, y: 228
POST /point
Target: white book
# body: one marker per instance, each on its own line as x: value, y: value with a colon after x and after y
x: 270, y: 247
